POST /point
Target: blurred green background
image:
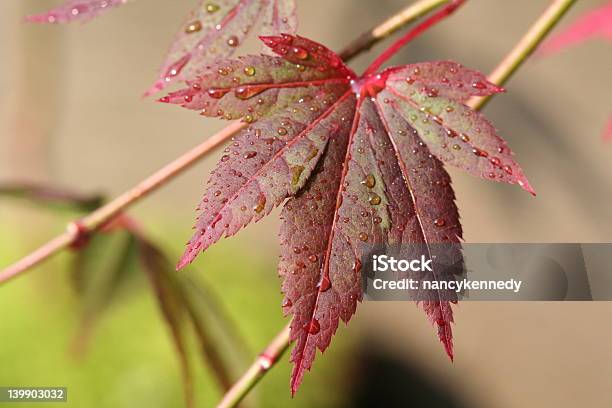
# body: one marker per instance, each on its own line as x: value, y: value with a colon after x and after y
x: 71, y: 115
x: 130, y: 360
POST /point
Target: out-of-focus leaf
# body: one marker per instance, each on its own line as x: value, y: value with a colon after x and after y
x: 102, y: 271
x: 75, y: 10
x: 170, y: 300
x: 213, y: 325
x: 52, y: 197
x: 596, y: 23
x: 607, y: 135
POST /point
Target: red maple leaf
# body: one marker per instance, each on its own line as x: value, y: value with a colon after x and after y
x: 359, y: 159
x: 596, y: 23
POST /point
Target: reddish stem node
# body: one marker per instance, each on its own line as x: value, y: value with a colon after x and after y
x: 80, y: 234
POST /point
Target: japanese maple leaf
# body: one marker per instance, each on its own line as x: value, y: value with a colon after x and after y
x: 73, y: 10
x: 359, y: 159
x: 216, y: 28
x: 596, y: 23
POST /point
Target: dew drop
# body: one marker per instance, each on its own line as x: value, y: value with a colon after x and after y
x: 193, y: 27
x: 232, y: 41
x: 508, y: 169
x: 451, y: 133
x: 439, y: 222
x: 225, y: 158
x: 377, y: 220
x: 432, y: 92
x: 478, y: 85
x: 375, y: 199
x: 287, y: 303
x: 282, y: 131
x: 300, y: 53
x: 313, y: 258
x: 480, y: 153
x: 176, y: 68
x: 261, y: 204
x: 217, y: 93
x: 211, y: 8
x: 247, y: 92
x: 249, y: 71
x: 369, y: 181
x: 363, y: 236
x: 250, y: 155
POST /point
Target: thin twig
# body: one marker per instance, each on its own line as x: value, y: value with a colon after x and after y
x: 525, y: 47
x: 257, y: 370
x: 412, y: 34
x: 105, y: 214
x: 108, y: 212
x: 499, y: 76
x: 404, y: 17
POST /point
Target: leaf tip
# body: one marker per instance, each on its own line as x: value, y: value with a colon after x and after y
x: 185, y: 260
x: 446, y: 338
x: 296, y: 377
x: 524, y: 184
x: 39, y: 18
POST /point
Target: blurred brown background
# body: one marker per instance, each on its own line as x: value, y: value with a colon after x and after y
x: 71, y: 114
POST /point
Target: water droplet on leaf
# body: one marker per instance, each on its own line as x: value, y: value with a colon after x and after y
x: 375, y: 199
x: 211, y: 8
x: 193, y: 27
x: 369, y: 181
